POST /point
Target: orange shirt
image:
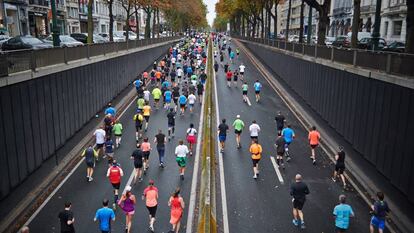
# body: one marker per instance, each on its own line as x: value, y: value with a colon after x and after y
x: 158, y: 74
x: 145, y: 146
x: 147, y: 110
x: 314, y: 137
x: 151, y: 196
x: 145, y: 74
x: 256, y: 150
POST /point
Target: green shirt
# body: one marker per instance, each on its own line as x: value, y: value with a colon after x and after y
x: 140, y: 103
x: 194, y: 77
x: 238, y: 124
x: 156, y: 93
x: 245, y: 87
x: 117, y: 129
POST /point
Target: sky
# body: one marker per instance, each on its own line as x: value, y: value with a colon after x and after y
x: 211, y: 10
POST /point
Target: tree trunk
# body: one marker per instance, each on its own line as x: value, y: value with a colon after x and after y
x: 275, y: 20
x: 262, y: 34
x: 355, y: 23
x: 136, y: 21
x: 158, y: 23
x: 148, y: 23
x: 111, y: 20
x: 153, y: 24
x: 243, y: 26
x: 322, y: 26
x: 409, y: 41
x: 302, y: 8
x: 90, y: 22
x: 288, y: 20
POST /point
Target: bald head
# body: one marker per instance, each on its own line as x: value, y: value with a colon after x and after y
x: 298, y: 177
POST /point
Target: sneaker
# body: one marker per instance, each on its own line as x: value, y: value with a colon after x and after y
x: 287, y: 158
x: 302, y: 226
x: 87, y: 178
x: 333, y: 179
x: 255, y: 176
x: 295, y: 222
x: 114, y: 206
x: 90, y: 179
x: 314, y: 162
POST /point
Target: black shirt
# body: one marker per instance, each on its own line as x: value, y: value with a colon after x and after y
x: 64, y: 217
x: 203, y: 77
x: 280, y: 143
x: 341, y: 157
x: 223, y: 129
x: 298, y: 191
x: 280, y: 120
x: 160, y: 139
x: 171, y: 118
x: 137, y: 155
x: 200, y: 88
x: 176, y: 92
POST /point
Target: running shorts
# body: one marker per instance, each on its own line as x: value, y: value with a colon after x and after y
x: 171, y: 125
x: 378, y: 223
x: 99, y: 146
x: 313, y: 146
x: 152, y: 211
x: 191, y: 105
x: 340, y: 168
x: 181, y: 161
x: 138, y: 164
x: 280, y: 153
x: 90, y: 164
x: 235, y: 78
x: 255, y: 162
x: 241, y: 73
x: 257, y: 92
x: 116, y: 186
x: 182, y: 105
x: 191, y: 139
x: 118, y: 135
x: 244, y: 92
x: 222, y: 138
x: 175, y: 100
x: 138, y: 127
x: 298, y: 204
x: 156, y: 100
x: 146, y: 154
x: 254, y: 137
x: 238, y: 132
x: 146, y: 118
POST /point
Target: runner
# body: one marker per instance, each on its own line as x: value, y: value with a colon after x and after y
x: 127, y: 204
x: 147, y: 114
x: 314, y: 137
x: 183, y: 101
x: 145, y: 78
x: 200, y: 90
x: 156, y: 94
x: 379, y: 212
x: 298, y: 191
x: 146, y: 150
x: 237, y: 52
x: 254, y: 129
x: 108, y: 124
x: 147, y: 95
x: 109, y: 150
x: 203, y: 77
x: 216, y: 66
x: 280, y: 150
x: 138, y: 84
x: 173, y: 75
x: 191, y: 137
x: 229, y: 74
x: 90, y: 157
x: 138, y: 118
x: 181, y: 152
x: 158, y: 75
x: 223, y: 128
x: 138, y: 158
x: 226, y: 67
x: 179, y: 74
x: 117, y: 130
x: 256, y: 151
x: 340, y: 166
x: 141, y: 103
x: 110, y: 110
x: 245, y: 87
x: 150, y: 196
x: 191, y: 101
x: 232, y: 55
x: 67, y: 219
x: 257, y: 87
x: 114, y: 174
x: 280, y: 122
x: 194, y: 80
x: 288, y: 134
x: 177, y: 205
x: 160, y: 140
x: 241, y: 70
x: 167, y: 99
x: 235, y: 77
x: 238, y: 125
x: 171, y: 123
x: 104, y: 215
x: 342, y: 213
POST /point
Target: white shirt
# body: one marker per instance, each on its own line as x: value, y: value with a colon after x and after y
x: 173, y: 60
x: 179, y: 56
x: 100, y: 136
x: 254, y: 130
x: 191, y: 99
x: 241, y: 68
x: 179, y: 72
x: 191, y: 132
x: 181, y: 151
x: 215, y: 53
x: 147, y: 95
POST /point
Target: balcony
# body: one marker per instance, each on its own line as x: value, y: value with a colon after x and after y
x: 367, y: 8
x: 396, y: 9
x: 39, y: 2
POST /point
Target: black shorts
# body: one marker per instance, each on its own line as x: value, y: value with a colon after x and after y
x: 146, y: 154
x: 157, y: 100
x: 99, y: 146
x: 146, y: 118
x: 254, y: 137
x: 138, y: 127
x: 314, y: 146
x: 241, y: 73
x: 280, y: 153
x: 138, y: 164
x: 90, y: 164
x: 116, y: 186
x: 152, y: 211
x: 255, y: 162
x: 175, y: 100
x: 298, y: 204
x: 235, y: 78
x: 182, y: 105
x: 244, y: 92
x: 339, y: 230
x: 340, y: 168
x: 118, y: 135
x: 238, y: 132
x: 257, y: 92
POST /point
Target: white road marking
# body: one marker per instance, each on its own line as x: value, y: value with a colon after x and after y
x: 66, y: 178
x: 248, y: 101
x: 278, y: 173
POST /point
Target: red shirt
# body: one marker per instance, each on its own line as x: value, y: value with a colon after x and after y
x: 229, y: 74
x: 115, y: 173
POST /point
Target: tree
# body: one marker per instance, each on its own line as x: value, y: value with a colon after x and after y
x: 355, y: 23
x: 90, y: 22
x: 323, y: 10
x: 110, y: 3
x: 288, y: 20
x: 409, y: 41
x: 137, y: 21
x: 127, y: 5
x: 302, y: 8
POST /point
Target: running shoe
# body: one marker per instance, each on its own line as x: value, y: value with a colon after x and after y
x: 295, y: 222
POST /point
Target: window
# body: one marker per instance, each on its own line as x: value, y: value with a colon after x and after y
x: 397, y: 28
x: 103, y: 28
x: 386, y: 28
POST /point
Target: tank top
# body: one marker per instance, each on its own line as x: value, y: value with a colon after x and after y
x: 175, y: 203
x: 151, y: 194
x: 128, y: 205
x: 115, y: 175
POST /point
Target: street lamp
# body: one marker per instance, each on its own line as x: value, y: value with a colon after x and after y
x: 55, y: 29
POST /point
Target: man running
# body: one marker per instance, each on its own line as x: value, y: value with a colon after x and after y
x: 342, y: 213
x: 229, y: 74
x: 183, y: 101
x: 141, y: 103
x: 167, y: 99
x: 241, y: 70
x: 257, y: 88
x: 110, y: 110
x: 67, y: 219
x: 138, y: 119
x: 104, y: 215
x: 160, y: 141
x: 379, y: 212
x: 146, y: 114
x: 238, y: 125
x: 314, y: 137
x: 181, y: 152
x: 223, y: 128
x: 138, y: 158
x: 280, y: 122
x: 90, y: 156
x: 340, y: 166
x: 109, y: 150
x: 150, y: 196
x: 298, y: 191
x: 200, y: 90
x: 256, y: 151
x: 254, y: 129
x: 147, y: 95
x: 288, y: 134
x: 191, y: 101
x: 100, y: 136
x: 171, y: 123
x: 156, y: 94
x: 280, y: 150
x: 114, y: 174
x: 117, y: 130
x: 245, y: 87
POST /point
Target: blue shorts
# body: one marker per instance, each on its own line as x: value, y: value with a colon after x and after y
x: 222, y: 138
x: 378, y: 223
x: 167, y: 100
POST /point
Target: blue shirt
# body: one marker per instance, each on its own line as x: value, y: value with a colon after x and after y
x: 182, y: 99
x: 111, y: 111
x: 168, y: 95
x: 288, y: 134
x: 104, y: 215
x: 165, y: 84
x: 189, y: 70
x: 232, y: 54
x: 109, y: 146
x: 257, y: 86
x: 342, y: 213
x: 137, y: 83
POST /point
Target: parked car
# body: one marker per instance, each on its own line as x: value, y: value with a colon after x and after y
x: 119, y: 36
x: 65, y: 41
x: 329, y: 40
x: 342, y: 41
x: 360, y: 35
x: 3, y: 38
x: 293, y: 38
x: 396, y: 46
x: 24, y: 42
x: 368, y: 43
x: 83, y: 37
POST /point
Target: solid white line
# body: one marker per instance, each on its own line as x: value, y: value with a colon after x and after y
x: 248, y: 101
x: 221, y: 166
x: 279, y: 175
x: 65, y: 179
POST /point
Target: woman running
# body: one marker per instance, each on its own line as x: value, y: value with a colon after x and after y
x: 177, y: 204
x: 150, y: 196
x: 127, y: 204
x: 191, y: 137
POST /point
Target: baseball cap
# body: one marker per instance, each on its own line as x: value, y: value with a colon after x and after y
x: 128, y: 188
x: 238, y: 116
x: 151, y: 181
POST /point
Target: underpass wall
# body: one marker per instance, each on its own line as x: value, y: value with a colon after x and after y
x: 376, y: 117
x: 38, y: 116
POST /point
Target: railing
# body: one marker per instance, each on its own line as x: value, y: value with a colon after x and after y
x: 392, y: 63
x: 22, y: 60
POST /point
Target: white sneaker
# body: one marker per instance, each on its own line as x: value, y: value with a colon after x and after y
x: 255, y: 176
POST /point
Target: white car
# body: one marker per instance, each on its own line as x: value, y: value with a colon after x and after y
x: 65, y: 41
x: 119, y: 36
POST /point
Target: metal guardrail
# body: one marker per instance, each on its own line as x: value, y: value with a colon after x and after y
x: 392, y: 63
x: 22, y: 60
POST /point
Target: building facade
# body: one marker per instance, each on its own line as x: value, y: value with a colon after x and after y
x: 294, y: 23
x: 341, y: 17
x: 393, y: 20
x: 14, y: 17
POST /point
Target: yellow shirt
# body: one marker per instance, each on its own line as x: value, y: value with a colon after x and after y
x: 147, y: 110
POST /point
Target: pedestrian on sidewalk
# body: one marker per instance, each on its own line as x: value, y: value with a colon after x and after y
x: 117, y: 130
x: 223, y: 128
x: 288, y: 134
x: 280, y: 150
x: 150, y: 196
x: 181, y: 152
x: 138, y: 158
x: 256, y: 151
x: 298, y: 191
x: 379, y: 212
x: 146, y: 151
x: 115, y: 174
x: 177, y: 205
x: 340, y: 166
x: 238, y: 125
x: 160, y: 141
x: 127, y: 204
x: 104, y: 215
x: 67, y: 219
x: 254, y: 129
x: 314, y: 137
x: 191, y: 137
x: 342, y: 213
x: 90, y: 157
